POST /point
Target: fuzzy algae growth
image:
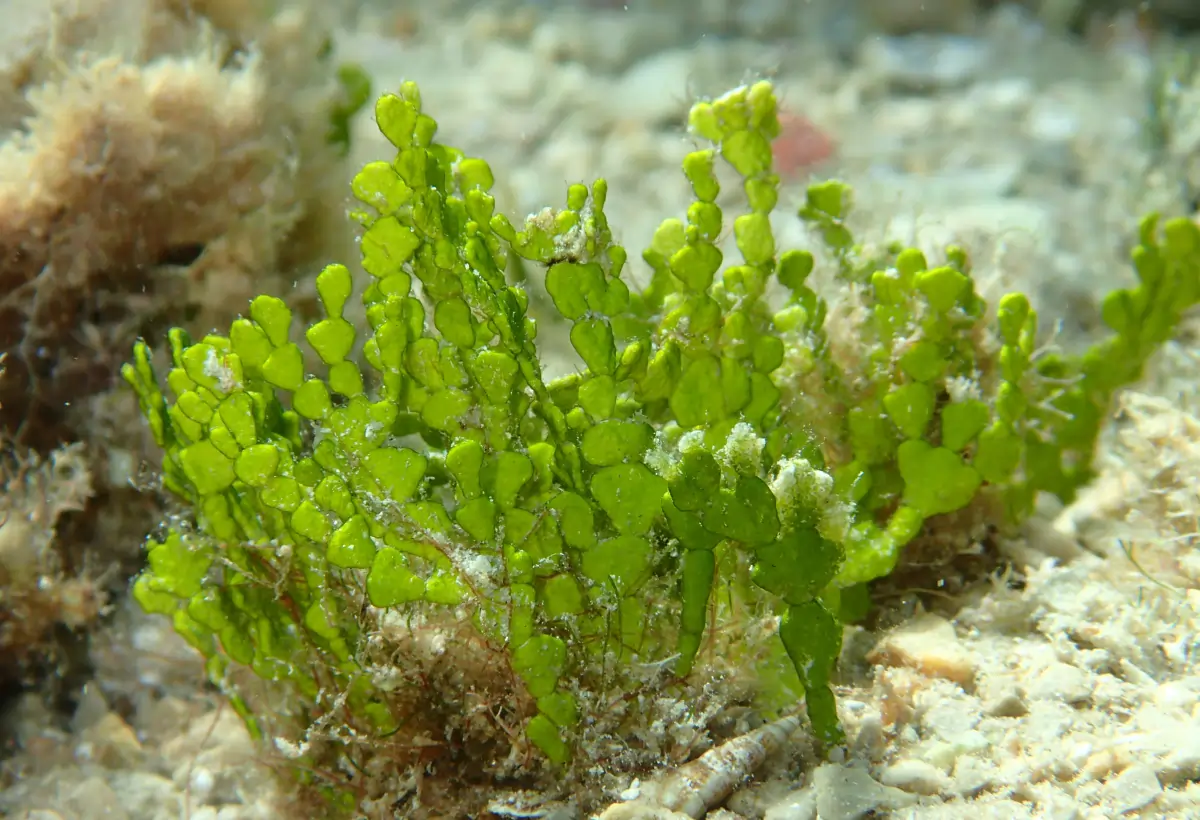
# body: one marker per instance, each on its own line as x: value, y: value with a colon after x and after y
x: 723, y: 448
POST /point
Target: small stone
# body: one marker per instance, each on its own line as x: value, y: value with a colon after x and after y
x: 933, y: 230
x: 1100, y: 765
x: 21, y: 547
x: 635, y: 149
x: 898, y: 692
x: 604, y: 43
x: 640, y: 810
x: 164, y: 717
x: 929, y: 645
x: 1048, y: 722
x: 1078, y: 753
x: 754, y: 799
x: 1180, y: 753
x: 147, y: 796
x: 799, y: 805
x: 111, y: 742
x: 1133, y: 789
x: 214, y: 746
x: 1058, y: 806
x: 514, y: 74
x: 94, y: 798
x: 845, y: 793
x: 568, y: 88
x: 1050, y: 121
x: 1009, y: 704
x: 201, y: 783
x: 906, y: 118
x: 925, y: 63
x: 763, y: 18
x: 915, y: 776
x: 870, y: 740
x: 952, y: 718
x: 972, y: 775
x: 92, y: 707
x: 908, y: 16
x: 945, y: 755
x: 654, y: 90
x: 1178, y: 695
x: 1061, y: 681
x: 260, y: 812
x: 1056, y: 765
x: 566, y: 154
x: 1008, y: 94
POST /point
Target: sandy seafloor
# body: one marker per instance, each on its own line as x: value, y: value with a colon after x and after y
x: 1067, y: 687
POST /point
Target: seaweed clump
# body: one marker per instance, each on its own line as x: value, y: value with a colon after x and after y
x: 430, y: 568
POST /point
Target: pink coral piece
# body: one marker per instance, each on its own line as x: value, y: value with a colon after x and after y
x: 800, y: 145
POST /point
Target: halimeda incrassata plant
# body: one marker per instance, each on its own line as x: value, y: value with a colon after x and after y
x: 575, y: 543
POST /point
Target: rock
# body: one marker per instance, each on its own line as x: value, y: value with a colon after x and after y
x: 905, y: 119
x: 568, y: 89
x: 945, y: 755
x: 1061, y: 681
x: 897, y: 697
x: 952, y: 719
x: 1133, y: 789
x: 1181, y: 695
x: 757, y: 797
x: 870, y: 739
x: 640, y: 810
x: 1008, y: 704
x: 164, y: 717
x: 91, y: 708
x: 845, y: 793
x: 924, y: 63
x: 764, y: 17
x: 1027, y: 221
x: 915, y: 776
x: 799, y: 805
x: 514, y: 74
x: 910, y: 16
x: 1100, y: 765
x: 633, y: 150
x: 605, y: 43
x: 1051, y: 121
x: 654, y: 91
x: 95, y: 799
x: 1002, y: 95
x: 1003, y: 696
x: 22, y: 546
x: 723, y: 814
x: 111, y: 742
x: 1048, y: 722
x: 257, y: 812
x: 994, y: 181
x: 972, y: 775
x: 524, y: 805
x: 1180, y: 753
x: 210, y: 757
x: 929, y: 645
x: 147, y: 796
x: 151, y: 654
